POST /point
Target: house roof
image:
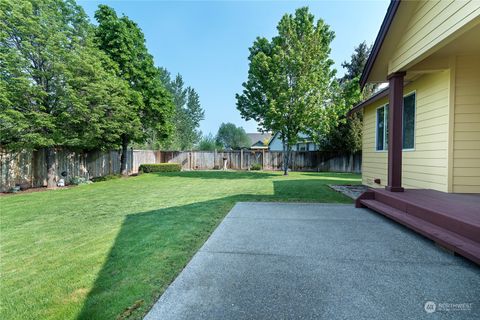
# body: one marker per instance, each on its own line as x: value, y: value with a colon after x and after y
x: 301, y: 136
x: 377, y: 96
x: 258, y: 137
x: 387, y: 22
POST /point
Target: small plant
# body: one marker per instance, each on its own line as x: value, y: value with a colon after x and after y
x: 78, y: 181
x: 160, y: 167
x: 106, y: 178
x: 256, y: 166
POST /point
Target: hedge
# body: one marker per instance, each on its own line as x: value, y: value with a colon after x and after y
x: 159, y: 167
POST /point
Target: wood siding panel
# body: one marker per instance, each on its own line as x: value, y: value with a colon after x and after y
x: 426, y: 166
x: 466, y: 148
x: 430, y: 24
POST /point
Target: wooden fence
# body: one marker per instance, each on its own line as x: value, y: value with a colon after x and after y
x: 244, y: 159
x: 28, y: 167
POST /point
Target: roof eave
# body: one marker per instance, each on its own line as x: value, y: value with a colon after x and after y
x: 387, y: 21
x: 377, y: 96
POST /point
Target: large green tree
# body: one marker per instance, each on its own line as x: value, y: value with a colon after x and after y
x: 289, y: 79
x: 123, y: 41
x: 229, y: 136
x: 188, y: 115
x: 347, y: 135
x: 56, y: 89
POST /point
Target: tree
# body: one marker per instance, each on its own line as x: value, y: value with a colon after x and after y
x: 230, y: 136
x: 347, y: 135
x: 357, y: 62
x: 55, y: 91
x: 289, y: 79
x: 123, y: 41
x: 188, y: 114
x: 208, y: 143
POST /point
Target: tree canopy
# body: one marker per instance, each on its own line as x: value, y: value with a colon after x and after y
x: 65, y: 83
x: 208, y: 143
x: 290, y: 78
x: 123, y: 41
x: 347, y: 135
x: 229, y: 136
x: 57, y: 88
x: 188, y: 113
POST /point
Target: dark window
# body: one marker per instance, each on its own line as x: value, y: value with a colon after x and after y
x: 381, y: 128
x: 409, y: 121
x: 408, y: 124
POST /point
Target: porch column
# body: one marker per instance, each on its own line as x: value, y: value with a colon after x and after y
x: 395, y: 114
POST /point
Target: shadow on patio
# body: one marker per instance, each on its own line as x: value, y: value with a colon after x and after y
x: 152, y: 247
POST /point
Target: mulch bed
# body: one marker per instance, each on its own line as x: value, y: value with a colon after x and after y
x: 351, y: 191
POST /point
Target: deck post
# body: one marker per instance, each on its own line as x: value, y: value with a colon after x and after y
x: 395, y: 126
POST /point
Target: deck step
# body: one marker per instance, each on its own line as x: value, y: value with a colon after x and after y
x: 438, y: 213
x: 448, y: 239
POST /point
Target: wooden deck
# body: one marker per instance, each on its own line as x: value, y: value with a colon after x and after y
x: 451, y: 220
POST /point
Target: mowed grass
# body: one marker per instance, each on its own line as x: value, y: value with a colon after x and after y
x: 108, y: 250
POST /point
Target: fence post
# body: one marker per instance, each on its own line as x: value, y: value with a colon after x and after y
x: 263, y: 159
x: 241, y: 159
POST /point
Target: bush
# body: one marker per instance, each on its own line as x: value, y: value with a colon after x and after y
x: 106, y: 178
x: 78, y: 181
x: 160, y: 167
x: 256, y: 166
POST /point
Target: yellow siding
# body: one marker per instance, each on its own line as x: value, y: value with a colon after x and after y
x: 466, y: 145
x: 431, y: 23
x: 425, y: 167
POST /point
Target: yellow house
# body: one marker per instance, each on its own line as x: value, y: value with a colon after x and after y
x: 421, y: 135
x: 433, y: 47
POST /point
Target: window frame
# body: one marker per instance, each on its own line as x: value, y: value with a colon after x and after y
x: 385, y: 119
x: 414, y: 120
x: 376, y: 128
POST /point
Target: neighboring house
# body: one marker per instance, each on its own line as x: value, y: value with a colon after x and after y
x: 429, y: 52
x: 259, y: 141
x: 304, y: 143
x: 421, y: 136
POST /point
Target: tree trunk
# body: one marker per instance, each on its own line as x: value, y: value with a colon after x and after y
x: 123, y: 157
x: 51, y: 174
x: 285, y: 158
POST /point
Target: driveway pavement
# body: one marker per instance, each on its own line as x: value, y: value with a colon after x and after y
x: 319, y: 261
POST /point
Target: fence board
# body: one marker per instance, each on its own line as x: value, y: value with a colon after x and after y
x: 28, y: 167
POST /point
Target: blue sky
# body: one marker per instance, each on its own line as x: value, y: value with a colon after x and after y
x: 207, y: 41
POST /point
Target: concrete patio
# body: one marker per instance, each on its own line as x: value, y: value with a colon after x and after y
x: 311, y: 261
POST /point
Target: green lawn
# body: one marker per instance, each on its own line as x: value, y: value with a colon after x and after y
x: 108, y: 250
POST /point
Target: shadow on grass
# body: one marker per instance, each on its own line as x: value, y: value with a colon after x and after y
x: 254, y: 175
x: 152, y: 247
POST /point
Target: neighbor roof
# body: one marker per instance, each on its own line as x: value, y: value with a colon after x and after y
x: 387, y: 22
x: 257, y: 136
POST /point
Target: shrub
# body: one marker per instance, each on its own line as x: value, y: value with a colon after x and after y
x: 159, y: 167
x: 106, y: 178
x: 256, y: 166
x: 77, y: 181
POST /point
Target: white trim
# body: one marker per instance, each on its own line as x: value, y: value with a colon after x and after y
x: 386, y: 123
x: 414, y: 120
x: 376, y: 128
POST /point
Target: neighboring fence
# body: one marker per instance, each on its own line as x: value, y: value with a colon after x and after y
x: 28, y: 167
x: 244, y: 159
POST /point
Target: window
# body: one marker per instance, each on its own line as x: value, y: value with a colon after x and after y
x: 381, y: 128
x: 301, y: 147
x: 408, y: 124
x: 409, y: 121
